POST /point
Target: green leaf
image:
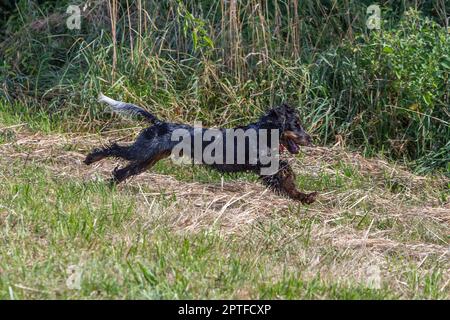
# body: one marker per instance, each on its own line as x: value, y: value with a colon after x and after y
x: 195, y: 39
x: 427, y: 98
x: 208, y: 41
x: 388, y: 50
x: 445, y: 62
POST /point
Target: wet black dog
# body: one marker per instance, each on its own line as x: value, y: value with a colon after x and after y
x: 155, y: 143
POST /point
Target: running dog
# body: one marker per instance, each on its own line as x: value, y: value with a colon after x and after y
x: 155, y: 143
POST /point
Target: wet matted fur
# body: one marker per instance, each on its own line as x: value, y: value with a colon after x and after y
x: 155, y: 143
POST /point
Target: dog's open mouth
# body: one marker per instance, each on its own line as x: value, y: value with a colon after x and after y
x: 292, y: 141
x: 292, y: 146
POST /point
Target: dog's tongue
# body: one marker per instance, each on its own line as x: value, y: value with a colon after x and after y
x: 293, y: 148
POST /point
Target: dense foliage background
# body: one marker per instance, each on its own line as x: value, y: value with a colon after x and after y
x: 223, y: 62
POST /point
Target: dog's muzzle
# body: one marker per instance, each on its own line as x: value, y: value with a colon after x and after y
x: 292, y: 141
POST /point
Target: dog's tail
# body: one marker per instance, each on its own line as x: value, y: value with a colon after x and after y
x: 123, y: 107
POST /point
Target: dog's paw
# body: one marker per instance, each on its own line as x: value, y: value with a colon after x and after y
x: 94, y: 156
x: 310, y: 198
x: 89, y: 159
x: 117, y: 175
x: 115, y: 172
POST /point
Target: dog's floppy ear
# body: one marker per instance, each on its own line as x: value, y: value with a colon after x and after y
x: 278, y: 111
x: 286, y: 108
x: 277, y: 115
x: 280, y: 114
x: 273, y: 113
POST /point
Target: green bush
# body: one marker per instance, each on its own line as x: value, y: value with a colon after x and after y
x: 382, y: 91
x: 390, y: 90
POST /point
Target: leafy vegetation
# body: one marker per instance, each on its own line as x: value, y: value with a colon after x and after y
x: 375, y: 101
x: 381, y: 91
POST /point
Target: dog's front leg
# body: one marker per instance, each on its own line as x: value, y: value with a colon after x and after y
x: 283, y: 182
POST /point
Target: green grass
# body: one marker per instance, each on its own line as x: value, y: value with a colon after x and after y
x: 49, y: 224
x: 189, y: 232
x: 53, y: 224
x: 129, y: 245
x: 379, y: 92
x: 199, y: 174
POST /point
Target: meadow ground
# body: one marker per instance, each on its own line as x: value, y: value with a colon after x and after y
x: 377, y: 231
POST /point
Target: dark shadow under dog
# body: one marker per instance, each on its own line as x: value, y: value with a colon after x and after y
x: 156, y: 142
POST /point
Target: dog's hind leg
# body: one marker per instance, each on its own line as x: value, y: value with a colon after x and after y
x: 134, y: 168
x: 114, y: 150
x: 283, y: 182
x: 137, y: 167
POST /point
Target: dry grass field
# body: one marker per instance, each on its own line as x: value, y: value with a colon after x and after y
x: 369, y: 80
x: 377, y: 230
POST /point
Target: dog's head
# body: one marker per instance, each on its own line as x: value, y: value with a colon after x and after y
x: 292, y: 133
